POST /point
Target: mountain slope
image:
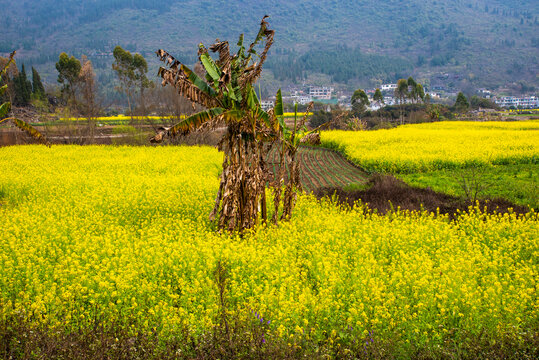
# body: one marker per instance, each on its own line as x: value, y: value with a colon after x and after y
x: 485, y: 42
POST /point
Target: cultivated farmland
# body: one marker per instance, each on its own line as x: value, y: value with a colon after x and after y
x: 116, y: 239
x: 499, y: 159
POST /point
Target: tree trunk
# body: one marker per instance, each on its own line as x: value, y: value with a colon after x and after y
x: 241, y: 197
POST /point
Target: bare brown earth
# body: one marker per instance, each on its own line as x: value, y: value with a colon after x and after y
x: 386, y: 193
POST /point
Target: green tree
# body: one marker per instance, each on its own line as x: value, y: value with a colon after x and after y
x: 23, y: 88
x: 37, y: 86
x: 461, y: 104
x: 412, y: 89
x: 68, y: 75
x: 378, y: 96
x: 477, y: 102
x: 401, y: 93
x: 141, y: 69
x: 125, y: 70
x: 360, y: 101
x: 420, y: 92
x: 6, y: 107
x: 131, y: 71
x: 380, y: 99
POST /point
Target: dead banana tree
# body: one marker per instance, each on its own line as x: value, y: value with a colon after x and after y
x: 6, y: 107
x: 230, y: 100
x: 288, y: 141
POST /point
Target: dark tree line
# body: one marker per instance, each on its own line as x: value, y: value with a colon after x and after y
x: 22, y: 90
x: 341, y: 63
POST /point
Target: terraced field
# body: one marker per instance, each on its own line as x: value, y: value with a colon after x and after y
x: 322, y: 168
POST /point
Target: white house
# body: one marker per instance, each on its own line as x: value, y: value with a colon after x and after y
x: 266, y: 105
x: 527, y: 102
x: 389, y: 87
x: 302, y: 99
x: 320, y: 92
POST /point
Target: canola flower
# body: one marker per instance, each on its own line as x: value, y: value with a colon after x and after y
x: 440, y: 145
x: 122, y: 117
x: 120, y: 234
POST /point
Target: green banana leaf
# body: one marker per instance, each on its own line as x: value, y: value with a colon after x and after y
x: 30, y: 130
x: 252, y: 99
x: 4, y: 109
x: 278, y: 109
x: 211, y: 67
x: 264, y: 116
x: 241, y: 49
x: 233, y: 115
x: 197, y: 81
x: 195, y: 121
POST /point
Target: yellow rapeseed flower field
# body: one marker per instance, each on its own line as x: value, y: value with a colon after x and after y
x: 122, y: 117
x: 441, y: 145
x: 119, y: 237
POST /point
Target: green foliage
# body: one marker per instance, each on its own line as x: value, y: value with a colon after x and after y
x: 68, y: 74
x: 378, y: 96
x: 5, y: 107
x: 320, y: 117
x: 342, y: 63
x: 517, y: 183
x: 360, y: 101
x: 461, y: 104
x: 414, y: 92
x: 131, y: 71
x: 23, y: 88
x: 292, y: 136
x: 401, y: 92
x: 477, y: 102
x: 438, y: 35
x: 38, y: 90
x: 124, y: 129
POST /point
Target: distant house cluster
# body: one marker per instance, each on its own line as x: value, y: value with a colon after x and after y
x: 312, y: 93
x: 304, y: 94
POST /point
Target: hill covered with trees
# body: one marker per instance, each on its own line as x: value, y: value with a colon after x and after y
x: 488, y: 43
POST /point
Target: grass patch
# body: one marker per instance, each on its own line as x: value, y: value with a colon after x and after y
x: 517, y: 183
x: 124, y: 129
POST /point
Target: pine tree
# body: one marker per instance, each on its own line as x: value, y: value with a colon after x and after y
x: 38, y: 88
x: 23, y: 88
x: 27, y: 84
x: 461, y: 104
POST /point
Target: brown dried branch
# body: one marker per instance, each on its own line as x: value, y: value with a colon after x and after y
x: 186, y: 88
x: 223, y: 49
x: 252, y: 73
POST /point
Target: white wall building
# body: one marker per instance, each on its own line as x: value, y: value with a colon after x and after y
x: 527, y: 102
x: 323, y: 93
x: 266, y: 105
x: 388, y: 87
x: 302, y: 99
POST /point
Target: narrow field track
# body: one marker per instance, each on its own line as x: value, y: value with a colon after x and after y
x: 321, y: 168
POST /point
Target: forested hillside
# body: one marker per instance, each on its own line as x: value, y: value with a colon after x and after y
x: 487, y: 43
